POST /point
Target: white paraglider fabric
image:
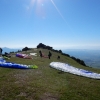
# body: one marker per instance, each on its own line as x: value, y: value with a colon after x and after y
x: 68, y: 68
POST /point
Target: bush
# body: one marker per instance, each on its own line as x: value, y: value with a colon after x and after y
x: 25, y: 49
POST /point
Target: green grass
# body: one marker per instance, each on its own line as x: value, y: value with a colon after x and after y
x: 46, y: 83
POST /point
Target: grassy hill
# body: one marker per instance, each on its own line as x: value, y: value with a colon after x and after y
x: 46, y: 83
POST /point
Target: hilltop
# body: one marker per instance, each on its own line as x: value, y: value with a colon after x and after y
x: 46, y: 83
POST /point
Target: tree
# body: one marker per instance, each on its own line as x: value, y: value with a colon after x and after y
x: 25, y: 49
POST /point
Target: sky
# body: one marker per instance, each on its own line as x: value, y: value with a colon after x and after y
x: 61, y: 24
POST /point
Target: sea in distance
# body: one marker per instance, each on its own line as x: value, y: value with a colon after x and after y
x: 90, y: 57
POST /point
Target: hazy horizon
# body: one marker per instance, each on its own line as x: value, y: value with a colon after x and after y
x: 90, y: 57
x: 58, y: 48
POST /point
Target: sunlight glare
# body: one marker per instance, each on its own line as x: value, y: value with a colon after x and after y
x: 39, y: 4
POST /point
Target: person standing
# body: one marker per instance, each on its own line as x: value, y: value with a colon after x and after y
x: 58, y: 57
x: 49, y: 55
x: 40, y: 53
x: 0, y: 51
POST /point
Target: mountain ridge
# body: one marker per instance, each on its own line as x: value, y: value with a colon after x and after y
x: 8, y: 50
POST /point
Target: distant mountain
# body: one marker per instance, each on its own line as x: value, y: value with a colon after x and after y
x: 8, y: 50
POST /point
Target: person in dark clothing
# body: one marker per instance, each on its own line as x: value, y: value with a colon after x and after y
x: 50, y: 54
x: 0, y: 51
x: 40, y: 53
x: 58, y: 57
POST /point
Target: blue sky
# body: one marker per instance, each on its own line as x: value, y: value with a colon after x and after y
x: 62, y: 24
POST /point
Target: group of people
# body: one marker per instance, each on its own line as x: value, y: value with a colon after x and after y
x: 42, y: 55
x: 49, y: 55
